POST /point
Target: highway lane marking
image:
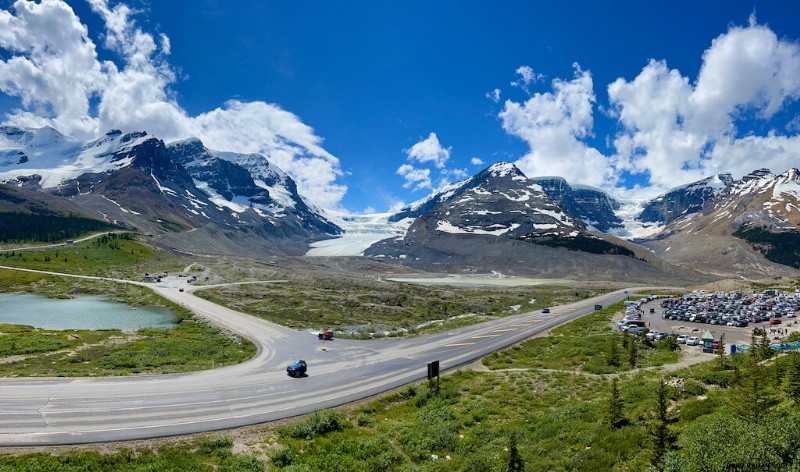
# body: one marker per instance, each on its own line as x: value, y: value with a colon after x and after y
x: 485, y: 336
x: 504, y: 330
x: 459, y: 344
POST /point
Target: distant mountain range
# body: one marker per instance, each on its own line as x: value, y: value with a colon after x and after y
x: 195, y: 199
x: 183, y: 194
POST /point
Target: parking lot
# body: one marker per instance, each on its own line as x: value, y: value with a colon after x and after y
x: 731, y: 316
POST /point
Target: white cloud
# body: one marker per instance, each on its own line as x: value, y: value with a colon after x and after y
x: 476, y: 161
x: 526, y: 77
x: 54, y: 69
x: 429, y: 150
x: 420, y: 177
x: 494, y: 95
x: 553, y: 125
x: 670, y: 130
x: 678, y: 132
x: 53, y: 66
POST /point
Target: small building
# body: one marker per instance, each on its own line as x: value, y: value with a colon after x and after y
x: 708, y: 341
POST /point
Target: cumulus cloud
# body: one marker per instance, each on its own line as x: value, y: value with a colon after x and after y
x: 413, y: 175
x: 53, y: 68
x: 476, y: 161
x: 430, y: 150
x: 676, y: 132
x: 554, y: 125
x: 670, y: 130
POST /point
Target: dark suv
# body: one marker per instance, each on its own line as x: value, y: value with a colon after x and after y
x: 297, y: 369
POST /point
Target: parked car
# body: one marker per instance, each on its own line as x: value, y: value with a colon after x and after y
x: 693, y: 341
x: 297, y: 369
x: 682, y: 339
x: 715, y: 344
x: 637, y: 330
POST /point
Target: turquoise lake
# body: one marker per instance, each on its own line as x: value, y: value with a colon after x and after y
x: 83, y: 312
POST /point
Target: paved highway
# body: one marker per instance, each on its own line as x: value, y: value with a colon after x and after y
x: 82, y: 410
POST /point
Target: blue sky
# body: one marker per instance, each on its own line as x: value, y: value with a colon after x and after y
x: 346, y: 90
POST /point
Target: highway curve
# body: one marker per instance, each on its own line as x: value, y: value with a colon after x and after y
x: 53, y: 411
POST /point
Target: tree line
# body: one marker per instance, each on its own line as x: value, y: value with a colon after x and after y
x: 27, y: 227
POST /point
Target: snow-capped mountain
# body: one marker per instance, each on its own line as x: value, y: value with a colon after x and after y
x: 45, y: 158
x: 684, y: 200
x: 711, y: 238
x: 500, y: 220
x: 498, y: 201
x: 248, y: 181
x: 135, y: 179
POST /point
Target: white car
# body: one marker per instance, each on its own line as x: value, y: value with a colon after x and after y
x: 693, y: 341
x: 682, y: 339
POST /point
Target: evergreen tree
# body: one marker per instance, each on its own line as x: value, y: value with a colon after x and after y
x: 753, y: 400
x: 632, y: 353
x: 663, y: 439
x: 754, y: 347
x: 614, y: 418
x: 791, y: 381
x: 721, y: 354
x: 612, y: 355
x: 515, y: 462
x: 765, y: 346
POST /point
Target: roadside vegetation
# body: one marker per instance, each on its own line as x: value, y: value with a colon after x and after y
x: 363, y: 308
x: 729, y: 413
x: 588, y: 344
x: 111, y: 255
x: 207, y: 454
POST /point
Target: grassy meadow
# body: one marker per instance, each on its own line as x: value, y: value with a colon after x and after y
x: 364, y: 308
x: 112, y: 255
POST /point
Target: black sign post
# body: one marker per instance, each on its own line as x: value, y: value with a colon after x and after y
x: 433, y: 371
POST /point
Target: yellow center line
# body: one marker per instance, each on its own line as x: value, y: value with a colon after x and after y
x: 504, y: 330
x: 459, y: 344
x: 485, y: 336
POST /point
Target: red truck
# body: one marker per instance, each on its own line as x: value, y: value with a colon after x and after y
x: 327, y: 334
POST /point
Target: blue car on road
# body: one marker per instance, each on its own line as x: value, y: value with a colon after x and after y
x: 297, y: 369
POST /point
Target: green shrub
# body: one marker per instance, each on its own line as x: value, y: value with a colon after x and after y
x: 319, y: 422
x: 694, y: 409
x: 283, y: 457
x: 720, y: 378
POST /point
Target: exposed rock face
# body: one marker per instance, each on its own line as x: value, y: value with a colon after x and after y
x: 595, y: 207
x: 250, y: 180
x: 684, y: 200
